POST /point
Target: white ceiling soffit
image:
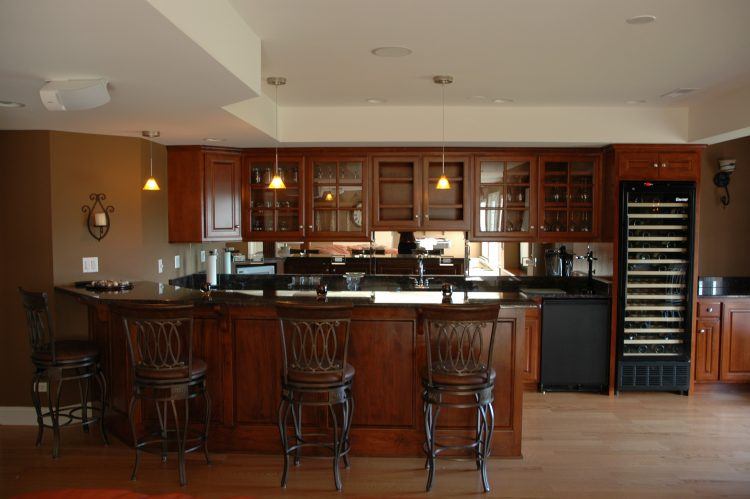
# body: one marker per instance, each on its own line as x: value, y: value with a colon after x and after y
x: 721, y: 117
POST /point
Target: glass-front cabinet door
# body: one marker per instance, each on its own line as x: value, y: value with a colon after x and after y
x: 337, y: 199
x: 568, y: 196
x: 274, y: 214
x: 504, y: 198
x: 446, y: 209
x: 397, y: 194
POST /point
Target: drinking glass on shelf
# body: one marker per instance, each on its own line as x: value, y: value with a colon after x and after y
x: 585, y: 222
x: 555, y: 195
x: 520, y: 197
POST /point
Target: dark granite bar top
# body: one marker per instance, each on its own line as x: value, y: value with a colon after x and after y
x: 725, y: 287
x: 371, y: 290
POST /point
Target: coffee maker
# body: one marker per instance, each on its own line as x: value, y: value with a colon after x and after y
x: 558, y: 262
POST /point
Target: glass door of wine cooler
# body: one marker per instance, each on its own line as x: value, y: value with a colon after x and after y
x: 656, y: 275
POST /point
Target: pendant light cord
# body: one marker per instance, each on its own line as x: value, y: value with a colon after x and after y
x: 276, y: 161
x: 442, y: 90
x: 151, y: 156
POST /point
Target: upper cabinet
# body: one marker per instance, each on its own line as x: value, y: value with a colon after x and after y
x: 505, y: 198
x: 405, y: 194
x: 657, y: 162
x: 337, y: 199
x: 204, y: 193
x: 273, y: 214
x: 569, y: 196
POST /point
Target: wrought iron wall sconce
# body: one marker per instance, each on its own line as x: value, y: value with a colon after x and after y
x: 722, y: 178
x: 97, y: 219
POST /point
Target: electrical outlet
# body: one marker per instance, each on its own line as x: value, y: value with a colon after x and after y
x: 90, y: 264
x: 177, y: 261
x: 203, y: 256
x: 160, y: 265
x: 42, y: 386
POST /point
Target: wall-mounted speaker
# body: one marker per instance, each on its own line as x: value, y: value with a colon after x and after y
x: 74, y: 95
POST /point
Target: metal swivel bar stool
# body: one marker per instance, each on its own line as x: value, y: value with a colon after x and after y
x: 315, y: 344
x: 459, y: 374
x: 160, y: 341
x: 58, y: 361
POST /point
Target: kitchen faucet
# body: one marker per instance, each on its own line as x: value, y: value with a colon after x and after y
x: 589, y: 257
x: 421, y: 282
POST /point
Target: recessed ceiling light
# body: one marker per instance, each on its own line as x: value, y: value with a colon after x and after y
x: 502, y: 101
x: 10, y: 103
x: 678, y: 92
x: 478, y: 97
x: 373, y: 100
x: 644, y: 19
x: 391, y: 51
x: 635, y: 101
x: 213, y: 139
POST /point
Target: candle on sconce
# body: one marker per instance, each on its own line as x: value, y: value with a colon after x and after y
x: 100, y: 219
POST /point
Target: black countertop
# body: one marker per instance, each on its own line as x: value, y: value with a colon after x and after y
x: 724, y: 287
x: 372, y: 290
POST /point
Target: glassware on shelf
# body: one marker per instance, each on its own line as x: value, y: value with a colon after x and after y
x: 256, y: 176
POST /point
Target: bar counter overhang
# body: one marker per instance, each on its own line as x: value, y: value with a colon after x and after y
x: 236, y: 333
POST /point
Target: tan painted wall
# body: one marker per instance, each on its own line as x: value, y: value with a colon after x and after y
x: 724, y: 234
x: 26, y: 258
x: 46, y: 179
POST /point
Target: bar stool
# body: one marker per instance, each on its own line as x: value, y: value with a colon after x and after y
x: 56, y: 362
x: 459, y: 375
x: 315, y: 344
x: 160, y: 342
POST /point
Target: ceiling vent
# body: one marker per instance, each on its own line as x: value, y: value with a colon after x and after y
x: 678, y: 92
x: 74, y: 95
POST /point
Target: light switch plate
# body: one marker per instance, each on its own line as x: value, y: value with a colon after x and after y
x: 203, y: 256
x: 90, y: 264
x: 160, y: 265
x: 177, y: 261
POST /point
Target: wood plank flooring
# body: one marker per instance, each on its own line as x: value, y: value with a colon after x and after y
x: 574, y: 445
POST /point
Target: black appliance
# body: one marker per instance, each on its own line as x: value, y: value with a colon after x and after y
x: 657, y: 233
x: 575, y: 344
x: 558, y: 262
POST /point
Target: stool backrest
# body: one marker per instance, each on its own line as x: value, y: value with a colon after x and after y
x: 41, y: 335
x: 314, y: 337
x: 456, y: 339
x: 160, y: 338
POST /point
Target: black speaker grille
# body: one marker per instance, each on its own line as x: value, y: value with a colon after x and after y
x: 654, y: 375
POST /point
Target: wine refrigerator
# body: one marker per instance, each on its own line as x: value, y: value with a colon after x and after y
x: 657, y: 229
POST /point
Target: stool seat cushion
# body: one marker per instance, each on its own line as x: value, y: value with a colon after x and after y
x: 323, y: 378
x: 69, y: 351
x: 456, y: 379
x: 197, y: 370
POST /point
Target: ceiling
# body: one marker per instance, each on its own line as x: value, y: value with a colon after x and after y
x: 539, y: 53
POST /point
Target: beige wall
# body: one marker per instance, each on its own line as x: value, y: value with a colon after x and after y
x: 724, y: 233
x: 46, y: 179
x: 26, y: 250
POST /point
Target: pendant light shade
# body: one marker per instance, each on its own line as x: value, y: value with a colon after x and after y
x: 276, y: 182
x: 443, y: 183
x: 328, y: 196
x: 151, y: 184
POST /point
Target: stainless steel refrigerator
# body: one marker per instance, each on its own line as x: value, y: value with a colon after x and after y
x: 657, y: 233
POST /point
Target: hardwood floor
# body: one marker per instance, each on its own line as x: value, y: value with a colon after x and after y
x: 574, y: 445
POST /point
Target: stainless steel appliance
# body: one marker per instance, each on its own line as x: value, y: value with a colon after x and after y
x: 657, y: 233
x: 256, y: 269
x: 558, y: 262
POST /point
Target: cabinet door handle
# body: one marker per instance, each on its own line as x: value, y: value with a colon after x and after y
x: 236, y: 227
x: 701, y: 330
x: 301, y: 227
x: 656, y: 165
x: 416, y: 217
x: 663, y: 165
x: 710, y: 309
x: 532, y: 227
x: 309, y: 227
x: 427, y: 217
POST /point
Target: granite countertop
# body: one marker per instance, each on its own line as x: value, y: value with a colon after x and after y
x: 725, y: 287
x: 372, y: 290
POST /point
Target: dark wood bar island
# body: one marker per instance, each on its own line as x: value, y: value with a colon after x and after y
x: 236, y: 333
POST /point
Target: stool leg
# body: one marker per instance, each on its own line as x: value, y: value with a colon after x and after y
x: 336, y: 447
x: 297, y: 422
x: 483, y: 453
x: 102, y: 381
x: 84, y: 393
x: 479, y: 435
x: 161, y: 415
x: 180, y: 440
x: 349, y: 408
x: 283, y: 417
x: 434, y: 413
x: 136, y: 444
x: 38, y: 407
x: 207, y: 398
x: 55, y: 380
x: 426, y: 408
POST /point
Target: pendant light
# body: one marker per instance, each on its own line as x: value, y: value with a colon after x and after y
x: 150, y: 184
x: 276, y: 182
x: 443, y: 80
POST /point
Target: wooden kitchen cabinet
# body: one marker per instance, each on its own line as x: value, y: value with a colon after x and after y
x: 569, y: 197
x: 530, y: 370
x: 337, y: 199
x: 707, y: 349
x: 505, y: 198
x: 658, y: 162
x: 204, y: 194
x: 445, y: 209
x: 273, y: 214
x: 735, y: 341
